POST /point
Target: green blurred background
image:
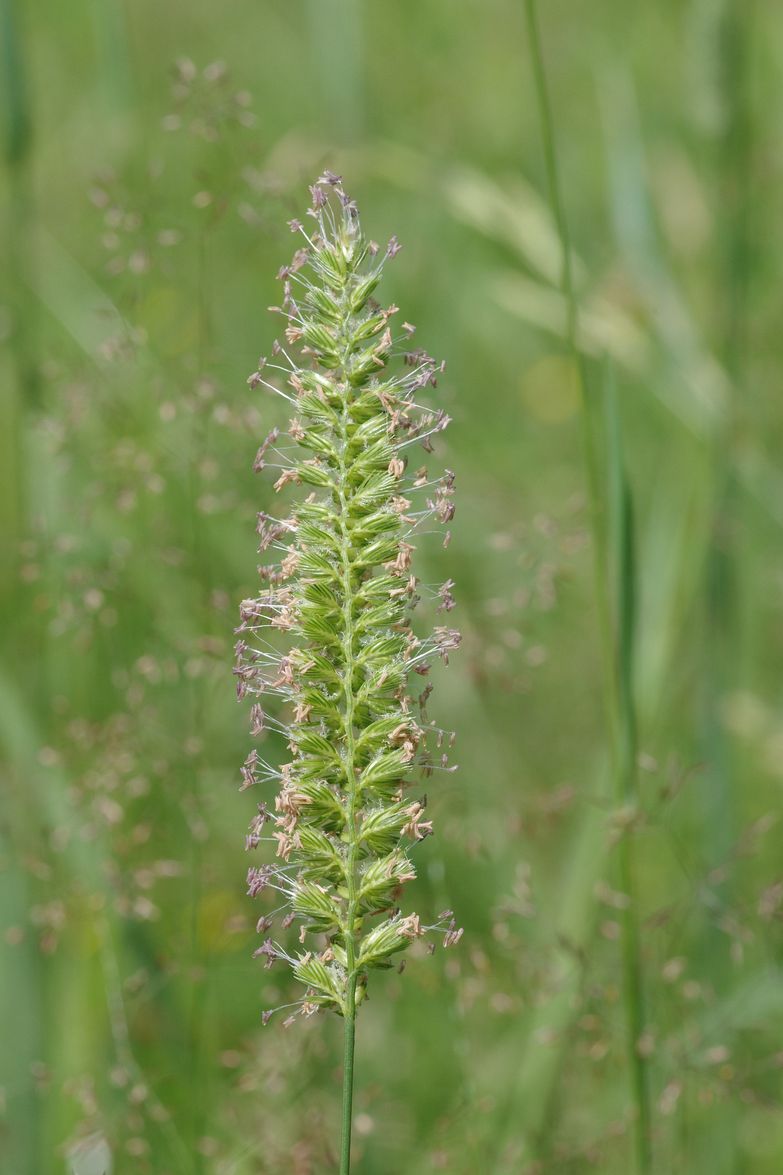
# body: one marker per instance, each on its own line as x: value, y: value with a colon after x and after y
x: 152, y: 154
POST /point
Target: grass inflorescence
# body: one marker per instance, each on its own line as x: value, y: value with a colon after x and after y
x: 347, y: 814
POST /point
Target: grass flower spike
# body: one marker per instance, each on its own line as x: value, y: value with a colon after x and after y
x: 348, y: 814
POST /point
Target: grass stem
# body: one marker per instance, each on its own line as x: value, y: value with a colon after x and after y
x: 625, y: 754
x: 349, y: 703
x: 350, y: 1041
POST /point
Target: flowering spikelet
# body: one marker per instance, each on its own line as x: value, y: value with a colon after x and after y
x: 342, y: 592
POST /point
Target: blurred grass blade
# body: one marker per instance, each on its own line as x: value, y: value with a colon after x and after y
x: 674, y: 544
x: 17, y: 115
x: 695, y: 373
x: 21, y: 1001
x: 622, y: 574
x: 25, y: 808
x: 603, y: 329
x: 20, y: 740
x: 70, y: 1044
x: 76, y: 301
x: 111, y: 35
x: 614, y: 565
x: 336, y: 49
x: 513, y: 214
x: 538, y: 1070
x: 724, y: 653
x: 19, y: 376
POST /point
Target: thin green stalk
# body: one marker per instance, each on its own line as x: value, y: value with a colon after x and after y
x: 736, y: 165
x: 350, y: 772
x: 614, y: 598
x: 350, y: 1040
x: 721, y: 573
x: 19, y: 382
x: 625, y: 757
x: 17, y: 145
x: 723, y: 581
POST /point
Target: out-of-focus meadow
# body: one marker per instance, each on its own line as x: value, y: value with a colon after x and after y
x: 152, y: 155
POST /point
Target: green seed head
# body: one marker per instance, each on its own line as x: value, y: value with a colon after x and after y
x: 347, y: 817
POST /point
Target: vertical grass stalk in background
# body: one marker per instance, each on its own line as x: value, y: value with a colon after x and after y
x: 22, y: 983
x: 723, y: 638
x: 724, y: 646
x: 22, y: 990
x: 18, y: 387
x: 343, y: 592
x: 611, y: 520
x: 622, y: 573
x: 336, y: 54
x: 109, y: 23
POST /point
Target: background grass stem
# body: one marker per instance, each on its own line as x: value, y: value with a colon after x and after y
x: 612, y: 525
